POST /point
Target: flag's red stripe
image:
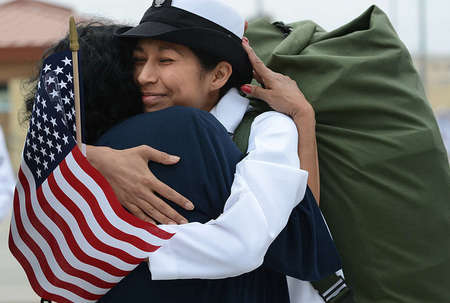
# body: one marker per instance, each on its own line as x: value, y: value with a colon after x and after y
x: 51, y: 240
x: 115, y: 204
x: 99, y: 215
x: 72, y: 243
x: 30, y: 275
x: 24, y: 262
x: 33, y: 246
x: 84, y: 226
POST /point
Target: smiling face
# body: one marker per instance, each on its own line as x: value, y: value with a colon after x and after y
x: 170, y: 74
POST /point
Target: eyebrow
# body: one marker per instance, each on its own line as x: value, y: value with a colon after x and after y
x: 163, y: 47
x: 139, y: 49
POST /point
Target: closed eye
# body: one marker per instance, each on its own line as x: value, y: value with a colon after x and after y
x: 166, y: 60
x: 139, y: 60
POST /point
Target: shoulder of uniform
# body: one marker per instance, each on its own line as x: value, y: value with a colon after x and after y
x: 273, y: 119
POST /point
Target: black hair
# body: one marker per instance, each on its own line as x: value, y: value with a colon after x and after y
x: 110, y: 94
x: 208, y: 62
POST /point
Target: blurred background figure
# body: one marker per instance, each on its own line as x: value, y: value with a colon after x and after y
x: 7, y: 180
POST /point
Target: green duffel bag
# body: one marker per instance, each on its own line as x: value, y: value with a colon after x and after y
x: 385, y: 177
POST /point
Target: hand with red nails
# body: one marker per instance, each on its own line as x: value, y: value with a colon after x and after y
x: 135, y: 186
x: 280, y: 91
x: 284, y: 96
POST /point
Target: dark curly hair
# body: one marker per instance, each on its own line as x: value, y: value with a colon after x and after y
x: 110, y: 94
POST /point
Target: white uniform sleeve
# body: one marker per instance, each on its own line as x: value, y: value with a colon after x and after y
x: 268, y: 184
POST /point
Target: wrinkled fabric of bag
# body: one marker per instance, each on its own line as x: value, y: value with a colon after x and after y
x: 385, y: 177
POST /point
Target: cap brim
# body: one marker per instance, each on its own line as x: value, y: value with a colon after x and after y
x: 145, y: 30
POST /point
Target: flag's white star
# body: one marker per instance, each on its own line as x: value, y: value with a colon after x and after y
x: 49, y: 143
x: 37, y: 160
x: 44, y: 103
x: 38, y: 125
x: 47, y: 130
x: 52, y: 157
x: 38, y: 112
x: 39, y: 84
x: 53, y: 122
x: 45, y: 164
x: 69, y: 116
x: 71, y: 94
x: 58, y: 108
x: 63, y: 84
x: 44, y: 117
x: 32, y: 132
x: 38, y: 98
x: 47, y: 68
x: 58, y: 70
x: 32, y: 120
x: 56, y: 135
x: 43, y: 151
x: 69, y: 78
x: 50, y: 80
x: 39, y: 173
x: 65, y: 139
x: 41, y: 139
x: 67, y: 61
x: 66, y: 100
x: 58, y: 148
x: 34, y: 147
x: 54, y: 93
x: 29, y: 155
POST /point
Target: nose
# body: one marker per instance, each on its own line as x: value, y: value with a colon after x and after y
x: 147, y: 74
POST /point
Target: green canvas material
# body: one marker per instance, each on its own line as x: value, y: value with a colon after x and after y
x: 385, y: 177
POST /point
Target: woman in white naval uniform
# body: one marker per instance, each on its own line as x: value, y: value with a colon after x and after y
x: 252, y: 216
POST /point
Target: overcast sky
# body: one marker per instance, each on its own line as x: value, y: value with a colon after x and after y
x: 330, y: 14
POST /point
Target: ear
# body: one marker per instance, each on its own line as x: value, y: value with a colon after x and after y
x: 220, y: 75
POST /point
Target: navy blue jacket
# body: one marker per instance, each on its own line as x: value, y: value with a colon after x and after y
x: 204, y: 175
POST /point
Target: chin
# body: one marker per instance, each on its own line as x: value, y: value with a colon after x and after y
x: 150, y: 109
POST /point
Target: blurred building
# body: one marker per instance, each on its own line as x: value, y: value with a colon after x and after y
x: 443, y: 118
x: 27, y: 29
x: 438, y: 82
x: 438, y: 91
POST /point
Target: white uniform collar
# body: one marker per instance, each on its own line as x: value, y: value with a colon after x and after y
x: 230, y: 109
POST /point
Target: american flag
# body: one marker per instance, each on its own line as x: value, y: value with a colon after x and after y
x: 68, y: 231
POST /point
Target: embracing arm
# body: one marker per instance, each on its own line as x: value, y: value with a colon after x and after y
x: 283, y: 95
x: 237, y: 241
x: 307, y: 149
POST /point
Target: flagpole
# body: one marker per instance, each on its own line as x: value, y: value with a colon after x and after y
x: 74, y: 47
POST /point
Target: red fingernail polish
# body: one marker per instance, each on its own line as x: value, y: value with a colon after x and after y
x: 246, y: 89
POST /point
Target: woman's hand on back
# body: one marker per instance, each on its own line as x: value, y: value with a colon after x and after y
x: 280, y: 91
x: 135, y: 185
